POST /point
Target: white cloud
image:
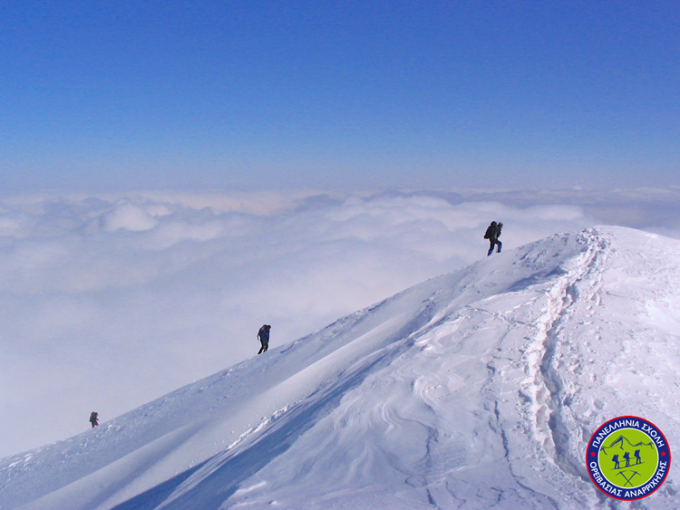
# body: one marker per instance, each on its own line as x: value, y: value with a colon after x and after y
x: 127, y: 216
x: 109, y: 301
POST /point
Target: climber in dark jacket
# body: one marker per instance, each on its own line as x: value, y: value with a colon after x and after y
x: 263, y: 336
x: 493, y: 232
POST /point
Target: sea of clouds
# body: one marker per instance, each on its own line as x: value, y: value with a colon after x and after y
x: 109, y: 301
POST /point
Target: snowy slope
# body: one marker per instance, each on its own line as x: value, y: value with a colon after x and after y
x: 477, y: 389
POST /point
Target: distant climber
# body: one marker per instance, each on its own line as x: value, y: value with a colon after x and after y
x: 493, y: 232
x: 263, y: 336
x: 94, y: 419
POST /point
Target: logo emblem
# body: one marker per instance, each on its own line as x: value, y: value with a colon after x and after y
x: 628, y: 458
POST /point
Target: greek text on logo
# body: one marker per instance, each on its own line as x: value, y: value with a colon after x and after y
x: 628, y: 458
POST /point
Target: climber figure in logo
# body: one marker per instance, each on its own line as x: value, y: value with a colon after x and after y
x: 615, y: 459
x: 627, y: 459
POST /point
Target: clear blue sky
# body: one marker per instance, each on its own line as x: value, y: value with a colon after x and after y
x: 124, y: 95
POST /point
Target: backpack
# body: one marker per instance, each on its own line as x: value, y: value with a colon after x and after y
x: 490, y: 231
x: 263, y: 333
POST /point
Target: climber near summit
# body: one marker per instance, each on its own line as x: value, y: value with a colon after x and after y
x: 493, y: 232
x: 263, y: 337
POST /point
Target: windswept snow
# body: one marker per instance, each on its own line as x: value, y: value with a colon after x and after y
x: 477, y: 389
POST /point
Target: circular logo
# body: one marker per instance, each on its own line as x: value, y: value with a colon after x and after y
x: 628, y: 458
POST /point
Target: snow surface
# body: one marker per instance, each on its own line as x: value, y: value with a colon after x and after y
x: 477, y: 389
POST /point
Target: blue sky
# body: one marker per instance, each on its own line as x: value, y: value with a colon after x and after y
x: 244, y: 95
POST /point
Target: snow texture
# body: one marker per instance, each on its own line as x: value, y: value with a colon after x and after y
x: 474, y: 390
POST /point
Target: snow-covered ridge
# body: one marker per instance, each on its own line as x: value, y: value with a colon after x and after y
x: 476, y: 389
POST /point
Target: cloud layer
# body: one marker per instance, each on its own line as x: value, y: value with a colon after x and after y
x: 109, y: 301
